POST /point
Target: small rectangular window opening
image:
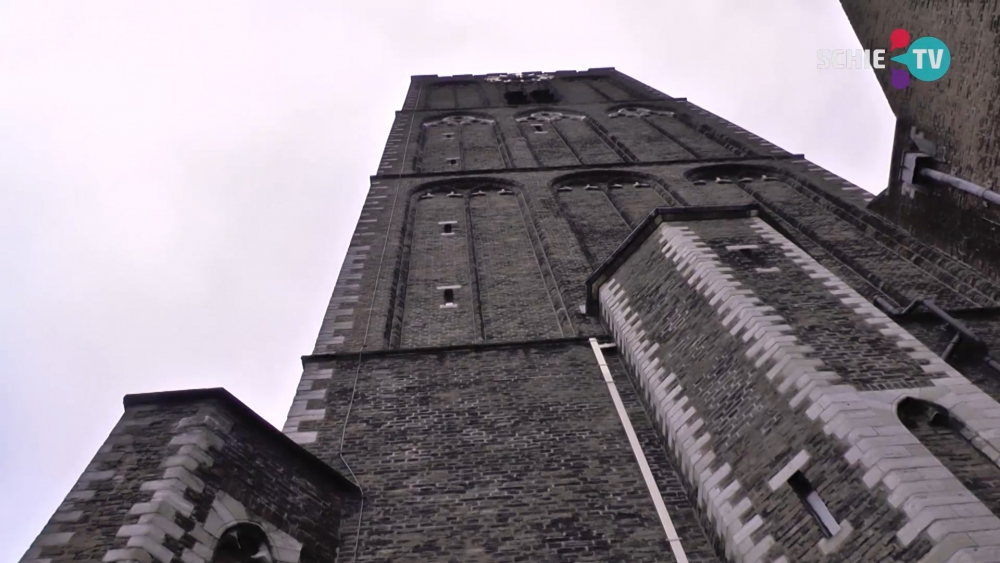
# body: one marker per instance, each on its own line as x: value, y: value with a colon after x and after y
x: 538, y: 128
x: 447, y: 227
x: 453, y: 161
x: 543, y: 96
x: 516, y: 98
x: 811, y: 499
x: 449, y: 297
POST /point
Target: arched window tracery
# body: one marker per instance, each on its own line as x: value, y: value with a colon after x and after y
x: 604, y: 207
x: 664, y: 135
x: 560, y: 138
x: 471, y: 283
x: 243, y: 543
x: 461, y: 142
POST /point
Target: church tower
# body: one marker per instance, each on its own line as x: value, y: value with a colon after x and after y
x: 580, y: 320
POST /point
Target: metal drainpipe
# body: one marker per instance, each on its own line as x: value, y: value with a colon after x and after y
x: 969, y: 187
x: 961, y: 331
x: 647, y: 474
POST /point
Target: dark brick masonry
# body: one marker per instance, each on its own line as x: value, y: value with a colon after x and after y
x: 480, y: 427
x: 508, y: 454
x: 853, y: 349
x: 751, y: 425
x: 958, y: 113
x: 273, y: 478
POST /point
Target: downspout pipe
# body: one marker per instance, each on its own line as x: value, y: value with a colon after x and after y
x: 938, y: 312
x: 965, y: 186
x: 962, y: 332
x: 647, y: 474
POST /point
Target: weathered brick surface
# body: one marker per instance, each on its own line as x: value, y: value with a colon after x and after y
x: 699, y: 545
x: 877, y: 254
x: 275, y: 487
x: 750, y: 425
x: 573, y: 236
x: 493, y: 262
x: 595, y: 221
x: 516, y: 304
x: 501, y: 455
x: 485, y: 431
x: 958, y: 112
x: 855, y: 350
x: 457, y: 143
x: 936, y: 335
x: 438, y: 261
x: 118, y: 501
x: 645, y: 139
x: 110, y: 486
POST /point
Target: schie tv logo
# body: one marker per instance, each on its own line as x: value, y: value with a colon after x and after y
x: 927, y: 59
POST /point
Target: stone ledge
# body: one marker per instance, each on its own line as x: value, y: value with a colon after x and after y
x: 200, y: 437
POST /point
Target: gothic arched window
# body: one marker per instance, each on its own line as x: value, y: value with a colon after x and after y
x: 461, y: 142
x: 604, y: 206
x: 949, y: 441
x: 243, y: 543
x: 466, y: 245
x: 573, y: 138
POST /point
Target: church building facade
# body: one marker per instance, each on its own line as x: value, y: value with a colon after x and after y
x: 581, y: 320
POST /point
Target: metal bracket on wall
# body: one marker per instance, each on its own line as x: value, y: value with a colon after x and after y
x: 918, y: 166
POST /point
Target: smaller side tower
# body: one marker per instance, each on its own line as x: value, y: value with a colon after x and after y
x: 196, y: 476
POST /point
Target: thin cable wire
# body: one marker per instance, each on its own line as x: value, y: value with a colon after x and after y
x: 364, y: 342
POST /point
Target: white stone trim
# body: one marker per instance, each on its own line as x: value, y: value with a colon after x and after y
x: 830, y: 545
x: 196, y: 439
x: 782, y: 476
x: 719, y: 494
x: 299, y: 412
x: 974, y: 408
x: 907, y: 470
x: 71, y: 510
x: 226, y: 512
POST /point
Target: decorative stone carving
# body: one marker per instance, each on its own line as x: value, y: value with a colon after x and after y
x: 458, y: 120
x: 639, y: 112
x: 549, y: 116
x: 519, y: 77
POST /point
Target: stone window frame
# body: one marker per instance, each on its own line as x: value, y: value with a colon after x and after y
x: 469, y: 187
x: 456, y: 119
x: 227, y: 513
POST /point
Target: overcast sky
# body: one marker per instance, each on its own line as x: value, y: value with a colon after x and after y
x: 179, y: 180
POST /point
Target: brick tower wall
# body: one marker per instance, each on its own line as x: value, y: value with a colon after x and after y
x: 538, y: 196
x: 522, y: 360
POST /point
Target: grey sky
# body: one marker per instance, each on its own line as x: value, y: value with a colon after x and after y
x: 179, y: 180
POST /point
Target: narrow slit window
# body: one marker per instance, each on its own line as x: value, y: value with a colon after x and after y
x: 811, y: 499
x: 449, y: 296
x: 453, y: 161
x: 538, y: 127
x: 447, y: 230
